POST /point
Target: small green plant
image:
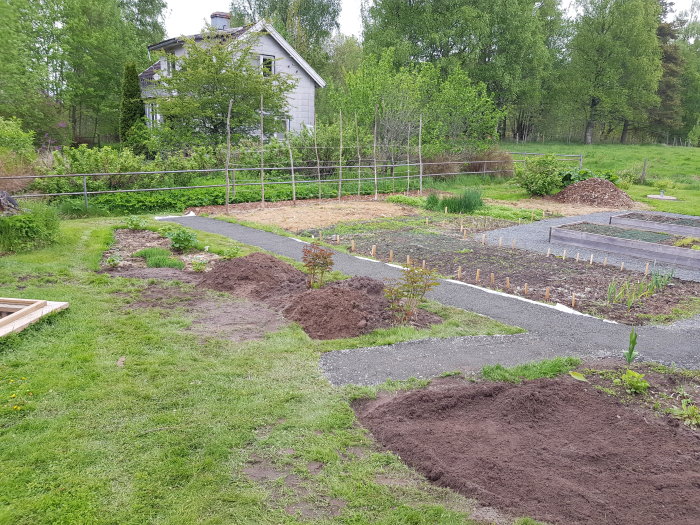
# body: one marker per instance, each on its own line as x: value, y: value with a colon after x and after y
x: 113, y: 261
x: 199, y: 265
x: 161, y: 261
x: 432, y: 202
x: 407, y: 200
x: 154, y: 251
x: 516, y: 374
x: 467, y: 202
x: 409, y: 291
x: 540, y: 176
x: 688, y: 412
x: 231, y: 253
x: 182, y: 240
x: 135, y: 223
x: 631, y: 353
x: 318, y: 261
x: 633, y: 382
x: 630, y: 293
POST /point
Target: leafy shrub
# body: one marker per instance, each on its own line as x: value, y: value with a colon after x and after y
x: 572, y: 176
x: 135, y: 223
x: 230, y: 253
x: 633, y: 382
x: 408, y: 292
x: 75, y: 209
x: 13, y: 138
x: 182, y: 240
x: 318, y: 261
x: 199, y: 265
x: 148, y: 253
x: 164, y: 262
x: 540, y: 176
x: 664, y: 184
x: 36, y: 226
x: 418, y: 202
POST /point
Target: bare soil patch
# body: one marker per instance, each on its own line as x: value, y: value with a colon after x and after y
x: 594, y: 192
x: 312, y: 214
x: 565, y: 209
x: 557, y: 450
x: 445, y: 250
x: 221, y: 317
x: 338, y: 310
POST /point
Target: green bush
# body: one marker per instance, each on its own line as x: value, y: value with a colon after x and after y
x: 164, y: 262
x: 432, y: 202
x: 418, y: 202
x: 182, y: 240
x: 572, y: 176
x: 14, y: 139
x: 36, y: 226
x: 540, y: 176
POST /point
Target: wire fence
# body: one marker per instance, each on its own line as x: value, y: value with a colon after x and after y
x: 361, y: 177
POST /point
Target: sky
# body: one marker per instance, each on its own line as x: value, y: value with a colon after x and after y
x: 185, y: 17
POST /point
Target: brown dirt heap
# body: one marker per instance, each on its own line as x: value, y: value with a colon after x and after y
x: 342, y: 309
x: 553, y: 449
x: 595, y: 192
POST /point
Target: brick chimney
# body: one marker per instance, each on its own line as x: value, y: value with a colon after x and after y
x: 220, y: 20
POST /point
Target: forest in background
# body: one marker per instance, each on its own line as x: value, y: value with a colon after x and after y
x: 603, y: 71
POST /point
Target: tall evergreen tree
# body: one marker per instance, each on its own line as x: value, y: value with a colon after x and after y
x: 132, y: 109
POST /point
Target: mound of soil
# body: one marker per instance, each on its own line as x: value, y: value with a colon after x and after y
x: 257, y: 276
x: 595, y: 192
x: 553, y: 449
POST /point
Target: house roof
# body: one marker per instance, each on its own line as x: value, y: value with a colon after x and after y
x: 261, y: 26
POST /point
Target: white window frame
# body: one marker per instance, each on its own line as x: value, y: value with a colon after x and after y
x: 272, y: 59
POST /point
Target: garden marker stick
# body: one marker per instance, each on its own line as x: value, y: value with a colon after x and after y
x: 590, y: 263
x: 374, y: 250
x: 478, y: 275
x: 493, y: 278
x: 423, y: 265
x: 622, y: 265
x: 464, y: 235
x: 459, y: 272
x: 352, y: 245
x: 525, y: 289
x: 500, y: 242
x: 445, y: 209
x: 391, y: 255
x: 507, y: 283
x: 512, y: 244
x: 646, y: 270
x: 573, y: 300
x: 483, y: 239
x: 563, y: 256
x: 605, y: 261
x: 549, y: 252
x: 426, y: 221
x: 408, y: 260
x: 577, y: 256
x: 546, y: 294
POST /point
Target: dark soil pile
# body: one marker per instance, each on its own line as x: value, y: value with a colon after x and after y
x: 595, y: 192
x: 342, y: 309
x: 257, y: 276
x: 553, y: 449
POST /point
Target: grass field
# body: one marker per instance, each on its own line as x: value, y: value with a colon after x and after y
x: 677, y: 163
x: 166, y: 437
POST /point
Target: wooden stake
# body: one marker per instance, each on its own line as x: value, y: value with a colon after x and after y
x: 464, y: 235
x: 549, y: 252
x: 563, y: 256
x: 483, y: 239
x: 500, y: 242
x: 507, y: 283
x: 228, y: 154
x: 605, y: 261
x: 408, y: 260
x: 492, y: 278
x: 525, y: 289
x: 573, y: 300
x: 391, y: 255
x: 337, y: 238
x: 646, y: 270
x: 546, y: 294
x: 262, y: 153
x: 340, y: 165
x: 423, y: 265
x: 478, y: 275
x: 590, y: 263
x: 352, y: 245
x: 622, y: 265
x: 291, y: 166
x: 374, y: 250
x: 459, y: 272
x: 461, y: 224
x: 577, y: 256
x: 512, y: 244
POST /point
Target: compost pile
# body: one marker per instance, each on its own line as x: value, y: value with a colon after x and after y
x: 595, y: 192
x: 341, y: 309
x: 553, y: 449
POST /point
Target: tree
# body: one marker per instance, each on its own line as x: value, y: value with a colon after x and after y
x: 615, y: 62
x: 131, y: 109
x: 194, y: 100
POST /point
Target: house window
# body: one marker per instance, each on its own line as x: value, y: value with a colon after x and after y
x: 170, y: 65
x: 267, y: 65
x: 152, y: 116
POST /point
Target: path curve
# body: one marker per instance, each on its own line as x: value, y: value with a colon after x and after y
x: 550, y: 332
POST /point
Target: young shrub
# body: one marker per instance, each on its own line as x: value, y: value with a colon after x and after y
x: 161, y: 261
x: 540, y: 176
x: 318, y: 261
x: 631, y: 353
x: 35, y: 227
x: 231, y: 253
x: 182, y: 240
x: 633, y: 382
x: 134, y: 223
x: 409, y: 291
x: 199, y: 266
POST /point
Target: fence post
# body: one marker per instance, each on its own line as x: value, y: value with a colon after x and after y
x: 376, y: 189
x: 359, y: 157
x: 643, y: 178
x: 228, y: 154
x: 340, y: 167
x: 318, y: 161
x: 408, y: 160
x: 420, y: 156
x: 262, y: 155
x: 85, y: 192
x: 580, y: 161
x: 291, y: 165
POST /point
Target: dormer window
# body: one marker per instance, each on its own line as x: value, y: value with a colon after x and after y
x: 170, y: 64
x: 267, y: 65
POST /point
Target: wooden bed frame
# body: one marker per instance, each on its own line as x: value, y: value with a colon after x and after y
x: 17, y: 314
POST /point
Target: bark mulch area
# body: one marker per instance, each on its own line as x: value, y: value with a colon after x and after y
x: 595, y: 192
x: 557, y: 450
x: 589, y: 283
x: 337, y: 310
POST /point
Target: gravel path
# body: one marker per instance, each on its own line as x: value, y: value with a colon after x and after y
x: 535, y: 237
x: 550, y: 331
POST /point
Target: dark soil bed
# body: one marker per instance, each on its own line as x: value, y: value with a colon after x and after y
x: 446, y: 251
x: 557, y: 450
x: 337, y: 310
x: 665, y: 219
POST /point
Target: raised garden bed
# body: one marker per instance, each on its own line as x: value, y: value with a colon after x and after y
x: 653, y: 246
x: 688, y: 226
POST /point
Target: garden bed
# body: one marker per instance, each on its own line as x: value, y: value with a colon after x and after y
x: 444, y: 249
x: 650, y: 245
x: 687, y: 226
x: 558, y: 450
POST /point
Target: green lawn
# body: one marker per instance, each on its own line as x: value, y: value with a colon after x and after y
x: 677, y: 163
x: 166, y: 437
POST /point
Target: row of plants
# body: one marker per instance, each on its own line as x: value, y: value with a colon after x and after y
x: 35, y: 226
x: 629, y: 293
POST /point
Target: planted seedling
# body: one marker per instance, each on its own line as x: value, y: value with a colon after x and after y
x: 318, y: 261
x: 631, y: 353
x: 408, y: 292
x: 688, y: 412
x: 633, y: 382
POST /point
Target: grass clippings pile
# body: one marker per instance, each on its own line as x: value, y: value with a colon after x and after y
x: 557, y: 450
x: 595, y: 192
x: 337, y: 310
